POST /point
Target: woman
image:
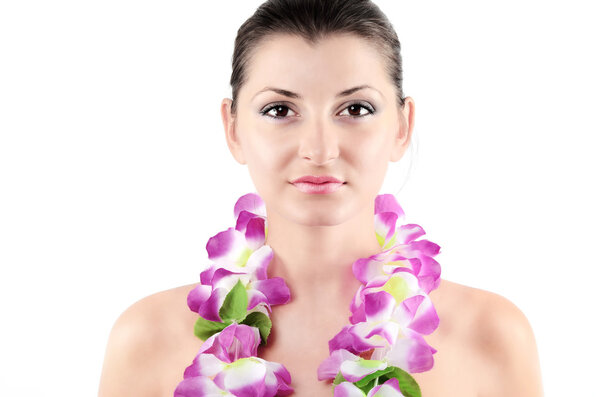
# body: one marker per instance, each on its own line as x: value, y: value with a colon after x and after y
x: 317, y: 93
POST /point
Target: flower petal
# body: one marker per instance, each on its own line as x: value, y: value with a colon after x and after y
x: 411, y: 354
x: 249, y: 339
x: 385, y: 224
x: 388, y: 203
x: 402, y: 284
x: 329, y: 368
x: 252, y: 203
x: 228, y: 249
x: 210, y: 311
x: 409, y: 232
x: 420, y: 248
x: 357, y: 306
x: 209, y: 308
x: 204, y: 365
x: 365, y: 269
x: 387, y: 213
x: 255, y: 233
x: 198, y: 296
x: 258, y: 262
x: 347, y: 389
x: 429, y: 274
x: 355, y: 370
x: 207, y: 275
x: 199, y: 386
x: 379, y: 306
x: 244, y: 377
x: 255, y: 298
x: 278, y: 379
x: 388, y: 330
x: 233, y: 342
x: 349, y: 339
x: 275, y: 289
x: 421, y: 312
x: 223, y: 278
x: 391, y: 388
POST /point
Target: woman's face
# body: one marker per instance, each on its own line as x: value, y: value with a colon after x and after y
x: 322, y: 109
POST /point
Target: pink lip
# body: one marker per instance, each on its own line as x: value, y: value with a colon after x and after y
x: 317, y: 179
x: 318, y: 188
x: 317, y: 184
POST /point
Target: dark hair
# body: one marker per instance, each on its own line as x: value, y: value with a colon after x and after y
x: 313, y: 20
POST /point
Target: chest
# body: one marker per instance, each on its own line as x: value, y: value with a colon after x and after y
x: 300, y: 343
x: 455, y: 372
x: 299, y: 340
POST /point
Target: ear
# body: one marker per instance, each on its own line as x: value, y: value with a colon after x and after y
x: 231, y: 136
x: 406, y: 115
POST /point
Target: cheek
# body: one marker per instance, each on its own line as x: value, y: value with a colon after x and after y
x: 369, y: 148
x: 266, y: 158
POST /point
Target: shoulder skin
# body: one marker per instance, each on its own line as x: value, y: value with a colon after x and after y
x: 142, y: 342
x: 506, y: 343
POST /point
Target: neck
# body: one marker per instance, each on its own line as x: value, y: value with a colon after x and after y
x: 312, y: 258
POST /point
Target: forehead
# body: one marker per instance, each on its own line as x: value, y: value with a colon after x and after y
x: 333, y: 63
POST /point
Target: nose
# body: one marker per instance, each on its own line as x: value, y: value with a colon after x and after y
x: 319, y: 143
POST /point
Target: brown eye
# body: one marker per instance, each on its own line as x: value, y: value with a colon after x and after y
x: 354, y: 110
x: 278, y: 111
x: 281, y: 111
x: 358, y: 110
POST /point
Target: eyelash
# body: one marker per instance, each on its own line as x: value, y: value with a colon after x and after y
x: 363, y: 105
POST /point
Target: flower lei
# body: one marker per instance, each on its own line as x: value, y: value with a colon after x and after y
x: 372, y: 357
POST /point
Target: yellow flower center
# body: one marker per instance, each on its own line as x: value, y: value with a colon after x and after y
x: 397, y: 287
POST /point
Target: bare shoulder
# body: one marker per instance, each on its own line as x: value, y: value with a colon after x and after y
x: 143, y: 341
x: 501, y: 339
x: 502, y: 328
x: 157, y: 306
x: 148, y: 319
x: 492, y: 313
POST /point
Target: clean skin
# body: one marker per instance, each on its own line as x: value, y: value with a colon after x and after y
x: 324, y: 109
x: 300, y: 113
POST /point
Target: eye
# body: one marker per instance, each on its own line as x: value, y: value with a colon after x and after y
x: 278, y: 111
x: 358, y: 109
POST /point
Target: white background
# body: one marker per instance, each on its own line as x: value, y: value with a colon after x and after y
x: 114, y: 170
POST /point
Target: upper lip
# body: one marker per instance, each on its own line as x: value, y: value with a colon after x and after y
x: 317, y: 179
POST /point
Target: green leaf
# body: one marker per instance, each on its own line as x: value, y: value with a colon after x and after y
x: 372, y: 376
x: 235, y: 305
x: 204, y: 329
x: 408, y: 385
x: 260, y: 321
x: 367, y: 386
x: 339, y: 378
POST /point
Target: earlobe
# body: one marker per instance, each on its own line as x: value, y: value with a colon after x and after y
x: 231, y: 136
x: 404, y: 129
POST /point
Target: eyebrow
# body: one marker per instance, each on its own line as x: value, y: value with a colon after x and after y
x: 291, y: 94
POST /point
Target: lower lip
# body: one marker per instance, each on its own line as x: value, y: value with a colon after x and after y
x: 318, y: 188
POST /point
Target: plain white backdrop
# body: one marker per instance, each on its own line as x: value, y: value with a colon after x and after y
x: 114, y: 170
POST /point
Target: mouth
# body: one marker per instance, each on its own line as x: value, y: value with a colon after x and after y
x: 317, y: 179
x: 318, y: 188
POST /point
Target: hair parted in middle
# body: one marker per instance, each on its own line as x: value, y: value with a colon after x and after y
x: 314, y: 20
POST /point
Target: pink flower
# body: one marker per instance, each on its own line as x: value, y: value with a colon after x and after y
x: 208, y: 296
x: 233, y: 342
x: 402, y: 287
x: 401, y: 248
x: 245, y: 377
x: 225, y: 365
x: 394, y: 315
x: 239, y: 254
x: 351, y: 366
x: 391, y: 388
